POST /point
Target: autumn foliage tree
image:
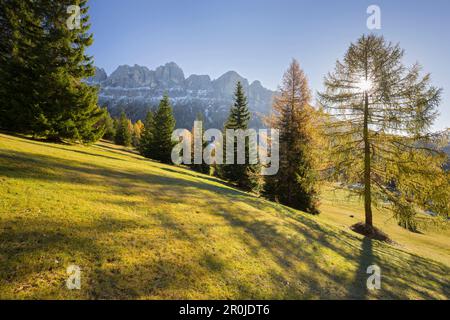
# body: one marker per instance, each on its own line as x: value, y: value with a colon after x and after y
x: 381, y: 114
x: 138, y: 128
x: 295, y: 184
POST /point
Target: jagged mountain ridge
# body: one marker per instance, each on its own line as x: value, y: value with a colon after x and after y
x: 135, y: 89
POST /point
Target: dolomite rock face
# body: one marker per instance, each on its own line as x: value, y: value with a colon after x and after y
x: 136, y: 89
x: 100, y: 76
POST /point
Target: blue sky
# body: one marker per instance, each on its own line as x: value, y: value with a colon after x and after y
x: 258, y: 38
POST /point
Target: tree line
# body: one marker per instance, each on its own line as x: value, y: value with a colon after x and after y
x: 294, y: 185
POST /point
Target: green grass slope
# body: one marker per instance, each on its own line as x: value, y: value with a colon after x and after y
x: 143, y: 230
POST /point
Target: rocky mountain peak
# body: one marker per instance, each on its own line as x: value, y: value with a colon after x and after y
x: 99, y: 76
x: 198, y: 82
x: 130, y: 77
x: 170, y: 74
x: 136, y: 88
x: 225, y: 85
x: 256, y: 84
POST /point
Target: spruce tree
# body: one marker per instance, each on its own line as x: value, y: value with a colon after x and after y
x: 146, y: 143
x: 381, y: 114
x: 295, y: 184
x: 110, y: 129
x: 123, y: 131
x: 162, y: 143
x: 43, y: 66
x: 19, y: 65
x: 203, y: 167
x: 246, y: 176
x: 12, y: 58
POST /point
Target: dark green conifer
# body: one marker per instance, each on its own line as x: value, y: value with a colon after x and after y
x: 123, y: 131
x: 42, y: 68
x: 146, y: 143
x: 246, y: 176
x: 162, y: 132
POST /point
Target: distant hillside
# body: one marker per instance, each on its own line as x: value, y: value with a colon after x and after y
x: 136, y: 88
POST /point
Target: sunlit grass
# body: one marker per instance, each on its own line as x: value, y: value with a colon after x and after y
x: 343, y: 209
x: 144, y: 230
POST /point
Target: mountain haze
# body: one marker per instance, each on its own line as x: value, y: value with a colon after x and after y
x: 135, y: 89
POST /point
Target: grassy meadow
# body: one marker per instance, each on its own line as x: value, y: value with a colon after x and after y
x: 143, y: 230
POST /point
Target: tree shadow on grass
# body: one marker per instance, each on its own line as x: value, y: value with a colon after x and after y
x: 121, y: 150
x: 30, y: 139
x: 14, y: 164
x: 208, y: 178
x: 38, y: 249
x: 401, y: 272
x: 63, y: 147
x: 403, y: 275
x: 367, y: 258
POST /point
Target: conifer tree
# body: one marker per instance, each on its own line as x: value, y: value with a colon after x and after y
x: 246, y: 176
x: 381, y: 113
x: 19, y: 31
x: 123, y: 131
x: 295, y: 184
x: 203, y: 167
x: 43, y: 66
x: 162, y: 142
x: 110, y: 129
x: 146, y: 143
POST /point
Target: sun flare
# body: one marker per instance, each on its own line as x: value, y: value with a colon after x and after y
x: 364, y: 85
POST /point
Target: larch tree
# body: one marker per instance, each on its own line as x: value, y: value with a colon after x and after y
x: 381, y: 113
x: 138, y: 128
x: 295, y: 184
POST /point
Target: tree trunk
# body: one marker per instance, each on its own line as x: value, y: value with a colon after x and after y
x: 367, y: 182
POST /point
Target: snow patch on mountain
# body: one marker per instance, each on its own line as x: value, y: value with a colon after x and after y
x: 136, y: 89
